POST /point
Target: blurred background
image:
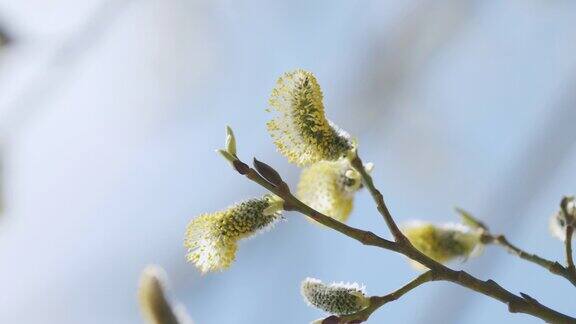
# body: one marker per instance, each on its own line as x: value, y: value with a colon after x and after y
x: 110, y: 111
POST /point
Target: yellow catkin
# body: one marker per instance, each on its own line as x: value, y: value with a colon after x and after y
x: 299, y: 128
x: 443, y: 243
x: 325, y: 187
x: 212, y: 238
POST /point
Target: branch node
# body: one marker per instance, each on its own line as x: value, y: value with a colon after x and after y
x: 529, y: 299
x: 513, y: 307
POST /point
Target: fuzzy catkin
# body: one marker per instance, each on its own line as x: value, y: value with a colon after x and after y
x: 326, y: 187
x: 443, y: 243
x: 335, y: 298
x: 212, y: 238
x: 299, y: 128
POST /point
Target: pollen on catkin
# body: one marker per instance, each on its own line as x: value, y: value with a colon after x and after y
x: 335, y: 298
x: 329, y: 187
x: 212, y: 238
x: 443, y: 243
x: 299, y: 128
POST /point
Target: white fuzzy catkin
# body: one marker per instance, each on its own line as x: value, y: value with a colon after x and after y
x: 335, y: 298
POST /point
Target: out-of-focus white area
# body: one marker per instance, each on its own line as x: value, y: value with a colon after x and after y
x: 110, y: 111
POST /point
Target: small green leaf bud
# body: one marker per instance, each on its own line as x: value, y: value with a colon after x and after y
x: 230, y: 141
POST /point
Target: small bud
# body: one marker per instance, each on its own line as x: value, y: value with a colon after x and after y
x: 469, y: 220
x: 568, y: 209
x: 300, y: 129
x: 443, y: 243
x: 229, y: 153
x: 336, y: 298
x: 369, y: 167
x: 212, y: 239
x: 329, y: 187
x: 564, y: 216
x: 241, y: 167
x: 227, y: 156
x: 268, y: 173
x: 154, y: 305
x: 230, y: 141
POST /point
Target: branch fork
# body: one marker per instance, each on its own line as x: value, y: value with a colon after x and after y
x: 269, y: 178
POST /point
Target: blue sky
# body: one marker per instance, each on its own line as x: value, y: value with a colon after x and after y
x: 110, y: 112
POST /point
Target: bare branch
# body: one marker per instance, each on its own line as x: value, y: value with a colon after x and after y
x: 569, y: 258
x: 552, y: 266
x: 378, y: 199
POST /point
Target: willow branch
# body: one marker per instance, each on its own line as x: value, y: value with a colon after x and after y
x: 524, y: 304
x: 552, y: 266
x: 516, y: 304
x: 569, y: 259
x: 379, y: 301
x: 378, y: 199
x: 399, y: 237
x: 500, y: 240
x: 292, y: 203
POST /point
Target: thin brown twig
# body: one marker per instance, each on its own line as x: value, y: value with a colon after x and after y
x: 378, y: 198
x: 552, y: 266
x: 379, y: 301
x: 488, y: 288
x: 291, y: 203
x: 516, y: 304
x: 569, y: 258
